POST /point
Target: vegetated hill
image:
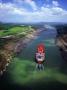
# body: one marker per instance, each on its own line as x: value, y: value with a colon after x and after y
x: 61, y: 29
x: 5, y: 26
x: 12, y: 29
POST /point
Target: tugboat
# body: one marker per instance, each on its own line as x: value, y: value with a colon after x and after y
x: 40, y: 57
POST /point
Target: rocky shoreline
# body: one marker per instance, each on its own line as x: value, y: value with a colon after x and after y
x: 61, y: 43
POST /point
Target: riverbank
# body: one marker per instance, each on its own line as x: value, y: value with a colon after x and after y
x: 13, y: 45
x: 61, y: 42
x: 22, y: 43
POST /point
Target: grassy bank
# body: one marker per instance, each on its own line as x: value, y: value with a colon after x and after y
x: 13, y: 30
x: 9, y: 37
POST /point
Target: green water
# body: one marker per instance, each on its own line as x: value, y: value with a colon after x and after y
x: 22, y: 72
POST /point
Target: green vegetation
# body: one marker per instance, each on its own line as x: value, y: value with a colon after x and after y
x: 9, y: 36
x: 5, y: 26
x: 6, y: 30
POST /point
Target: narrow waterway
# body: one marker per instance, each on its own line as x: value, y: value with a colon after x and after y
x: 47, y: 37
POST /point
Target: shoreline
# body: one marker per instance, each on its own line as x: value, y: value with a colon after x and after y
x: 22, y: 43
x: 12, y: 48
